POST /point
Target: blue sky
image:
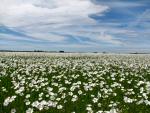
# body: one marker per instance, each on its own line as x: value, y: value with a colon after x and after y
x: 75, y: 25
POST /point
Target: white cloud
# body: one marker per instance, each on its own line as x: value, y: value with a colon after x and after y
x: 12, y: 37
x: 39, y: 18
x: 48, y: 36
x: 30, y: 15
x: 108, y: 38
x: 17, y: 13
x: 95, y: 34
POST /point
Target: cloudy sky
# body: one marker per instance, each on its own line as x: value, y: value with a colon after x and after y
x: 75, y: 25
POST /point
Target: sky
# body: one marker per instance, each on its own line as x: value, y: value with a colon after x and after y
x: 75, y: 25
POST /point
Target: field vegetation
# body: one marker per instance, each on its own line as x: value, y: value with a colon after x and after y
x: 74, y: 83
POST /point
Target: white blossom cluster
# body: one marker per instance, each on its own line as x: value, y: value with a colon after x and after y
x: 9, y: 100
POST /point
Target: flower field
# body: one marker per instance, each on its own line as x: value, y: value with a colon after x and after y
x: 74, y: 83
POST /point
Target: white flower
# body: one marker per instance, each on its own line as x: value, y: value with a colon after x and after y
x: 95, y: 100
x: 4, y: 89
x: 148, y: 87
x: 49, y: 89
x: 9, y: 100
x: 99, y: 104
x: 47, y: 95
x: 41, y: 94
x: 75, y: 98
x: 35, y: 104
x: 40, y: 98
x: 59, y: 107
x: 147, y: 102
x: 28, y: 103
x: 13, y: 110
x: 140, y: 102
x: 70, y: 93
x: 28, y: 96
x: 113, y: 110
x: 128, y: 100
x: 20, y: 90
x: 89, y: 108
x: 80, y: 92
x: 29, y: 110
x: 99, y: 112
x: 58, y: 99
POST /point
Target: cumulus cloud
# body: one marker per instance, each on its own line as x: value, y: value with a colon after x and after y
x: 16, y: 13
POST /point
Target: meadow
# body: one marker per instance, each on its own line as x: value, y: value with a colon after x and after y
x: 74, y: 83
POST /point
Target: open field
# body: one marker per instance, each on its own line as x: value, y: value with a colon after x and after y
x: 74, y: 83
